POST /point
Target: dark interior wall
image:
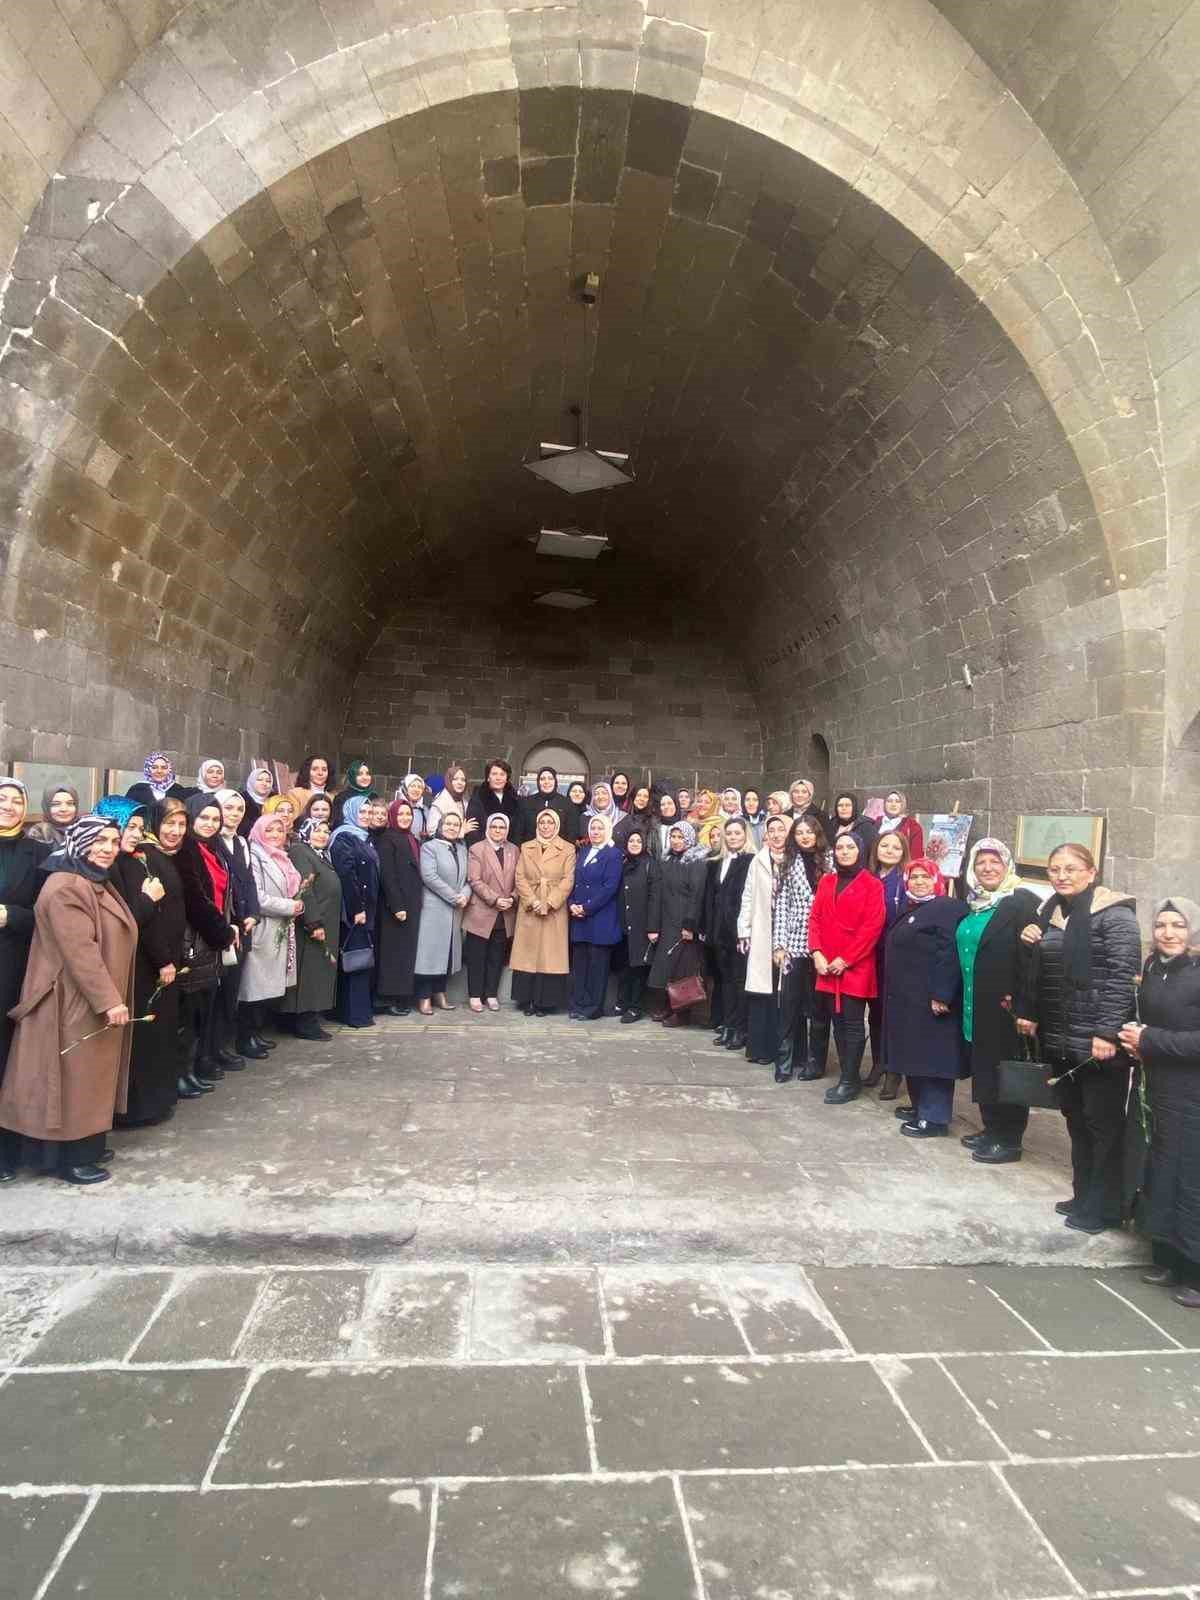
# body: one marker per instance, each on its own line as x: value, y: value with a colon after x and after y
x: 449, y: 684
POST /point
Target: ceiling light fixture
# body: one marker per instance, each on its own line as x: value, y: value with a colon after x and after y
x: 571, y: 543
x: 578, y: 468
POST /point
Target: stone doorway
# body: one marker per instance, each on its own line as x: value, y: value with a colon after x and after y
x: 567, y: 760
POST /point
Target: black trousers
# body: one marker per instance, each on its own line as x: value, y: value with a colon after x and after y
x: 849, y: 1027
x: 589, y: 977
x: 426, y: 985
x: 796, y: 1005
x: 631, y: 988
x: 1184, y: 1268
x: 485, y: 960
x: 731, y: 1003
x: 1005, y: 1123
x: 1093, y: 1102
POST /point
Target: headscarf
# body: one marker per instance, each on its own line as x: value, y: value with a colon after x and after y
x: 711, y: 834
x: 760, y: 813
x: 847, y: 875
x: 593, y: 850
x: 249, y: 793
x: 223, y: 796
x: 196, y: 803
x: 55, y: 830
x: 1189, y: 911
x: 538, y: 836
x: 278, y: 854
x: 402, y: 791
x: 628, y: 860
x: 923, y: 864
x: 691, y: 850
x: 888, y: 824
x: 305, y: 832
x: 118, y: 808
x: 410, y: 833
x: 611, y: 812
x: 784, y: 801
x: 163, y: 810
x: 273, y: 802
x: 351, y: 780
x: 621, y: 805
x: 350, y: 824
x: 704, y: 807
x: 498, y: 816
x: 158, y: 790
x: 842, y: 824
x: 209, y: 761
x: 15, y: 783
x: 81, y: 836
x: 299, y: 799
x: 737, y: 793
x: 979, y: 898
x: 435, y: 783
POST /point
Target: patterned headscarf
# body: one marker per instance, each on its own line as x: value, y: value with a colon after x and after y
x: 305, y: 834
x: 81, y: 836
x: 118, y: 808
x: 158, y: 789
x: 691, y: 850
x: 923, y: 864
x: 979, y: 898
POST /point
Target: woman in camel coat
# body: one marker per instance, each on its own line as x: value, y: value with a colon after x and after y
x: 79, y: 980
x: 540, y: 960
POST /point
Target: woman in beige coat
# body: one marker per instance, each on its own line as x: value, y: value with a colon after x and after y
x: 540, y: 960
x: 79, y: 981
x: 491, y: 915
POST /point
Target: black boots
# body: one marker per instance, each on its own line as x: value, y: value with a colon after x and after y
x: 849, y: 1085
x: 818, y: 1052
x: 308, y: 1027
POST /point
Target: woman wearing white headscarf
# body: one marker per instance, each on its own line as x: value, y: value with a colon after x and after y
x: 602, y: 805
x: 896, y: 819
x: 545, y: 876
x: 260, y: 786
x: 210, y: 776
x: 995, y: 967
x: 446, y: 891
x: 490, y: 918
x: 1166, y: 1040
x: 412, y: 790
x: 595, y: 919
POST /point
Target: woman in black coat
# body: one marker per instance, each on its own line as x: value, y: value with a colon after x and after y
x: 922, y: 1010
x: 496, y: 793
x: 400, y: 894
x: 201, y: 864
x: 356, y: 862
x: 1080, y: 996
x: 21, y: 878
x: 154, y: 1062
x: 725, y: 880
x: 995, y: 964
x: 317, y: 932
x: 544, y: 798
x: 639, y: 908
x: 639, y: 817
x: 681, y: 913
x: 1166, y: 1040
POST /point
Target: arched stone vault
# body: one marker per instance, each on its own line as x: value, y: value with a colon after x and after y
x: 888, y: 393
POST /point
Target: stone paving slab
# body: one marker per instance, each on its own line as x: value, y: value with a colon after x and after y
x: 450, y: 1451
x: 497, y: 1138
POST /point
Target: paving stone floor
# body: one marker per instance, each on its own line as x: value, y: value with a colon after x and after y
x: 501, y: 1138
x: 742, y: 1431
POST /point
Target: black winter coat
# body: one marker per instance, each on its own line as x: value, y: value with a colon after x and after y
x: 1068, y: 1019
x: 922, y: 966
x: 315, y: 988
x: 1170, y: 1049
x: 532, y: 804
x: 639, y: 903
x: 155, y: 1062
x: 399, y: 890
x: 681, y: 887
x: 485, y: 803
x: 23, y: 881
x: 1002, y: 970
x: 723, y: 901
x: 242, y: 885
x: 203, y: 916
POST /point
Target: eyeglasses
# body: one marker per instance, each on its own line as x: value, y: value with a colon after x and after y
x: 1066, y: 872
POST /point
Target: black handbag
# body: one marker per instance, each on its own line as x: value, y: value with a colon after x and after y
x: 1025, y: 1083
x: 358, y: 960
x: 200, y: 967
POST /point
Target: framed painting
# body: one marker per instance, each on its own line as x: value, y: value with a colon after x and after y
x: 119, y: 780
x: 38, y: 775
x: 946, y: 841
x: 1038, y: 835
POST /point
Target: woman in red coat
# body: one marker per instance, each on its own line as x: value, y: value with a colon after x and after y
x: 846, y: 922
x: 896, y: 819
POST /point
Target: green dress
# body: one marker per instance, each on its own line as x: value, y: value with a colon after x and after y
x: 970, y: 931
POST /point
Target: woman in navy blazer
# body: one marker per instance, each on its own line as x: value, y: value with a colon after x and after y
x: 595, y: 919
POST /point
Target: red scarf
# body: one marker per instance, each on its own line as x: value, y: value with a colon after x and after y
x: 218, y: 872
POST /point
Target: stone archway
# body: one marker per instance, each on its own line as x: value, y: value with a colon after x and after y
x: 568, y: 760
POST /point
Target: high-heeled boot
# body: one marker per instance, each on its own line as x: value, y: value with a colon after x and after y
x: 849, y: 1085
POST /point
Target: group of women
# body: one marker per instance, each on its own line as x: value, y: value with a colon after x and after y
x: 148, y: 948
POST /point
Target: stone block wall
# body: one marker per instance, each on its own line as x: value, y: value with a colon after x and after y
x: 445, y: 685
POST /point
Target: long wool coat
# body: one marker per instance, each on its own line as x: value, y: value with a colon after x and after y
x: 80, y: 965
x: 444, y: 878
x: 1170, y: 1048
x: 755, y: 922
x: 23, y: 882
x: 639, y: 907
x: 922, y: 966
x: 491, y: 882
x: 1002, y: 963
x: 848, y: 925
x: 681, y: 890
x: 155, y: 1063
x: 315, y: 988
x: 400, y: 889
x: 271, y: 962
x: 545, y: 872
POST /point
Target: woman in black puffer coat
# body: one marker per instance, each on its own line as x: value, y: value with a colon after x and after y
x: 1167, y: 1041
x: 1081, y: 994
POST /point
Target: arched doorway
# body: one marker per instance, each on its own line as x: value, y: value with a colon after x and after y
x: 567, y: 760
